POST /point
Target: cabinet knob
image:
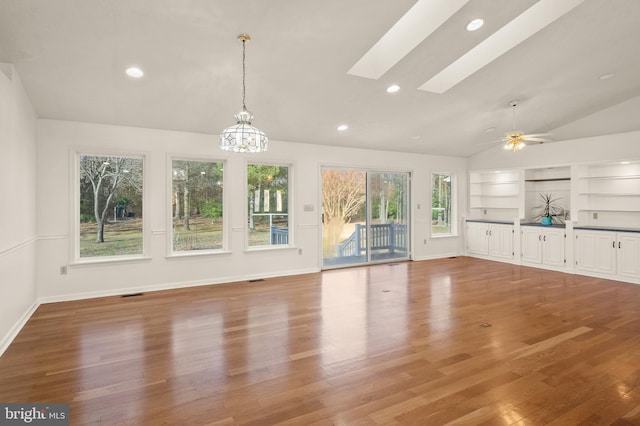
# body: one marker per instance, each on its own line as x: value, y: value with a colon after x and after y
x: 614, y: 244
x: 544, y: 238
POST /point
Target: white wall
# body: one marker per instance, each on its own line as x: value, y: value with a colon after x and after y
x: 57, y: 140
x: 18, y: 211
x: 621, y: 146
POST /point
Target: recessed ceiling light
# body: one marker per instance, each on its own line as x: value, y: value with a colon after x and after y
x: 490, y: 129
x: 523, y: 26
x: 607, y: 76
x: 134, y: 72
x: 476, y: 24
x: 342, y: 127
x: 393, y: 88
x: 625, y: 162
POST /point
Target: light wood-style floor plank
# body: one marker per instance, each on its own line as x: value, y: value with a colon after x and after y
x: 444, y: 342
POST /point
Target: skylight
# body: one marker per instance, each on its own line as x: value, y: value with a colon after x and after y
x: 506, y: 38
x: 416, y: 25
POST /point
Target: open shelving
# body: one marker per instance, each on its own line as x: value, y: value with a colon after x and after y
x: 495, y: 194
x: 547, y: 180
x: 608, y: 194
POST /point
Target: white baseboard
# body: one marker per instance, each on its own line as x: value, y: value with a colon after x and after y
x: 168, y: 286
x: 11, y: 335
x: 438, y: 256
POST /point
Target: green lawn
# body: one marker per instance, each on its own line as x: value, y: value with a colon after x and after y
x: 124, y: 237
x: 121, y: 238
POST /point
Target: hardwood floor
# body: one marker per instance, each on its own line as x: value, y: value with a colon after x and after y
x: 451, y: 341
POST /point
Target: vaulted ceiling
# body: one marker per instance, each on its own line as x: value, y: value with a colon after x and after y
x: 301, y: 77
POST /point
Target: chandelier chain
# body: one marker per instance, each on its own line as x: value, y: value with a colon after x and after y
x: 244, y: 107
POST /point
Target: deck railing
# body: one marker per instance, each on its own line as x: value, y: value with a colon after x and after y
x: 279, y: 235
x: 388, y: 236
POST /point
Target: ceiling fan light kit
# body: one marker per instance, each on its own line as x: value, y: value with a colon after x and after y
x: 515, y: 144
x: 515, y: 140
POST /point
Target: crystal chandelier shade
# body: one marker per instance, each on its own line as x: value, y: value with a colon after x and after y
x: 243, y: 137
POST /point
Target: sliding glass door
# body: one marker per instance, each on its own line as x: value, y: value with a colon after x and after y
x: 364, y: 217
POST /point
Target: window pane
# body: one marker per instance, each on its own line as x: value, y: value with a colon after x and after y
x: 441, y: 204
x: 268, y: 189
x: 196, y: 200
x: 110, y: 206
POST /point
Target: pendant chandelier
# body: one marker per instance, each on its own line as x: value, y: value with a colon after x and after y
x: 243, y: 137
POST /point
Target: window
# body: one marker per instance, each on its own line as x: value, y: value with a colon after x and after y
x: 441, y: 209
x: 110, y: 219
x: 196, y: 205
x: 268, y: 193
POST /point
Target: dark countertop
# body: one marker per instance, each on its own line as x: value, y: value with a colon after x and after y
x: 606, y: 228
x: 499, y: 222
x: 555, y: 225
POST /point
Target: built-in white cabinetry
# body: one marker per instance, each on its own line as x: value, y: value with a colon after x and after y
x: 628, y: 254
x: 493, y: 240
x: 543, y: 245
x: 598, y: 214
x: 608, y: 253
x: 595, y: 251
x: 501, y: 241
x: 554, y: 181
x: 608, y: 195
x: 478, y: 238
x: 495, y: 194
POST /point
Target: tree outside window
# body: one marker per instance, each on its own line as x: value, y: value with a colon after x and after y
x: 110, y: 206
x: 197, y: 205
x: 441, y: 217
x: 268, y: 205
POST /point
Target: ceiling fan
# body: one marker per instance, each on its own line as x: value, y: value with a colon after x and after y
x: 516, y: 140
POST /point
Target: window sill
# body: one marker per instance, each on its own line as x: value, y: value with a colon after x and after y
x: 196, y: 253
x: 110, y: 260
x: 258, y: 249
x: 439, y: 236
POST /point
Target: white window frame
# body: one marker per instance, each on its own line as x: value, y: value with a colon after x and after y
x: 453, y: 220
x: 290, y: 216
x: 74, y: 241
x: 225, y: 207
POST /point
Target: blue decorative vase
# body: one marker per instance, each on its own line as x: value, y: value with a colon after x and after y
x: 546, y: 220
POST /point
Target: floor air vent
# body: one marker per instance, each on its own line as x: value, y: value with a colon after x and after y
x: 256, y: 280
x: 131, y: 295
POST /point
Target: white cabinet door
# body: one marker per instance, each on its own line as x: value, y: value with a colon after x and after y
x: 531, y: 244
x: 501, y: 241
x: 478, y: 238
x: 553, y: 242
x: 628, y: 259
x: 596, y: 251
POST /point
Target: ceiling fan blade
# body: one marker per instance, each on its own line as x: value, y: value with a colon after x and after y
x: 496, y: 141
x: 536, y: 135
x: 528, y: 139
